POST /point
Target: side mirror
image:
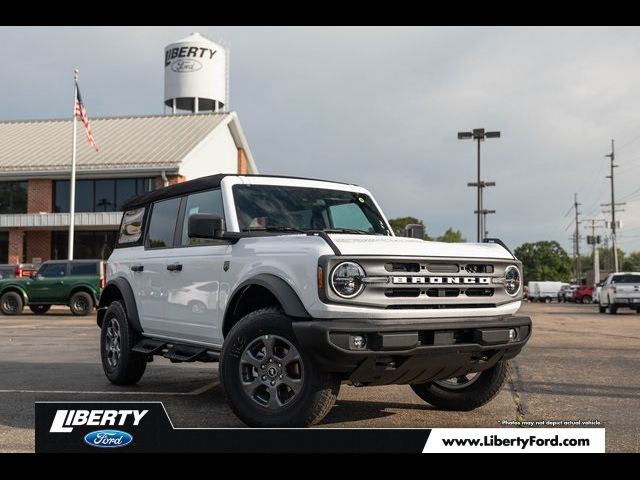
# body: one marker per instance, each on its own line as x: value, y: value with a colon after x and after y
x: 205, y: 225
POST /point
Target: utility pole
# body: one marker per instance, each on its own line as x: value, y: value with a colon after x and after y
x: 594, y: 241
x: 484, y: 213
x: 613, y: 205
x: 578, y: 265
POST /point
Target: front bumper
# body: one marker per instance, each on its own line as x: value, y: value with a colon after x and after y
x: 411, y: 351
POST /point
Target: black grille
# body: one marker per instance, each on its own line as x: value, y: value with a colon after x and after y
x: 478, y: 268
x: 402, y: 267
x: 441, y: 306
x: 480, y: 292
x: 402, y: 292
x: 443, y: 268
x: 442, y: 292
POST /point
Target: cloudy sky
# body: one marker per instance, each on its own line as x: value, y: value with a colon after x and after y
x: 381, y: 107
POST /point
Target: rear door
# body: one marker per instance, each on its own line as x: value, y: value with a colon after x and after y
x: 149, y: 269
x: 85, y: 273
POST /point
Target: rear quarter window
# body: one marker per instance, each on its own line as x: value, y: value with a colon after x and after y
x: 84, y: 269
x: 131, y: 227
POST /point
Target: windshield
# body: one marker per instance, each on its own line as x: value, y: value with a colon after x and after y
x: 274, y: 207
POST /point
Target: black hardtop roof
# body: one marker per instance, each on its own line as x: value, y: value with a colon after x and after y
x: 83, y: 260
x: 197, y: 185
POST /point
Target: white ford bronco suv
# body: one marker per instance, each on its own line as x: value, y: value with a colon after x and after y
x: 297, y: 285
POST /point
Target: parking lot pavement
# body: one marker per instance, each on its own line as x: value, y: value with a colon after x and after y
x: 579, y: 365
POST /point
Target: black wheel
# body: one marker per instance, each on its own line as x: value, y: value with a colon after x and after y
x: 121, y: 365
x: 11, y: 303
x: 602, y: 309
x: 547, y: 299
x: 81, y: 304
x: 268, y: 380
x: 466, y: 392
x: 586, y: 299
x: 611, y: 308
x: 39, y: 309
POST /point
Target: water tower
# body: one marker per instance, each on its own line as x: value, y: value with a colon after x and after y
x: 195, y: 75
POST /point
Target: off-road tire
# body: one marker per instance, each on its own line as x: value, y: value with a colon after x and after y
x: 130, y: 365
x: 478, y: 393
x: 309, y: 406
x: 39, y: 309
x: 11, y: 303
x: 81, y: 304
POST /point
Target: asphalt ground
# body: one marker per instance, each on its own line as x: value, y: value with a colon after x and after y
x: 578, y: 365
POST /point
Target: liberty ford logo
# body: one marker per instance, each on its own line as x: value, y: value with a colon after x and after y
x: 108, y: 438
x: 186, y: 66
x: 443, y: 280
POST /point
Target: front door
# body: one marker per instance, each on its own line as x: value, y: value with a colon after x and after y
x: 50, y: 285
x: 195, y: 276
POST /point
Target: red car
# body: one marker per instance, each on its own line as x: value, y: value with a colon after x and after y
x: 583, y: 294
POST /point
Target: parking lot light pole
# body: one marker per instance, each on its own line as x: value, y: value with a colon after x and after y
x: 478, y: 134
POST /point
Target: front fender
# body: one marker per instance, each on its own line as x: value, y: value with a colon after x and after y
x: 15, y: 287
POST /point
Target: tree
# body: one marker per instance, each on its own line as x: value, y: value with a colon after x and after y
x: 452, y: 236
x: 632, y: 262
x: 398, y: 224
x: 544, y: 260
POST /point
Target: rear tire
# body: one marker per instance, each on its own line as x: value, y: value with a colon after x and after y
x: 602, y: 309
x: 586, y: 299
x: 81, y: 304
x: 39, y: 309
x: 547, y: 300
x: 268, y: 379
x: 120, y: 363
x: 481, y: 389
x: 11, y: 303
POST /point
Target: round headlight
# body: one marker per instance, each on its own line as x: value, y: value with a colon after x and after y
x: 346, y: 279
x: 512, y: 280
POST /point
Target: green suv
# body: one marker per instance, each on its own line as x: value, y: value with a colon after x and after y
x: 76, y: 283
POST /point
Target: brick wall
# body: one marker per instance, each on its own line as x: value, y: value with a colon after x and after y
x: 15, y: 245
x: 40, y: 196
x: 243, y: 163
x: 38, y: 245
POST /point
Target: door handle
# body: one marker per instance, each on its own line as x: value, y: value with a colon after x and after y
x: 137, y: 268
x: 174, y: 267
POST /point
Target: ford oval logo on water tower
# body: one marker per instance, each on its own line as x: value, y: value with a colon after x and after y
x: 195, y: 75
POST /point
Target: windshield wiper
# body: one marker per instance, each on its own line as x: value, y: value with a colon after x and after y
x: 346, y: 230
x: 273, y: 229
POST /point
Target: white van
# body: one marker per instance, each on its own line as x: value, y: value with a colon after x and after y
x: 544, y: 291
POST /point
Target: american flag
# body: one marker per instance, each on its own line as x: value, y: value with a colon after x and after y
x: 81, y: 113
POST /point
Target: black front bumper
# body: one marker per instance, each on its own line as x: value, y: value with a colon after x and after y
x: 411, y: 351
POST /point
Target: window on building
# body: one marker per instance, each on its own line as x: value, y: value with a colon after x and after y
x: 4, y: 247
x: 13, y: 197
x: 163, y: 223
x: 86, y: 245
x: 203, y: 202
x: 106, y: 195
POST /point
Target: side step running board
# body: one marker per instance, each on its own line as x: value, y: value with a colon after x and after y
x: 176, y: 352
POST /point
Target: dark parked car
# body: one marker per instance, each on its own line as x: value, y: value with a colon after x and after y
x: 76, y: 283
x: 16, y: 270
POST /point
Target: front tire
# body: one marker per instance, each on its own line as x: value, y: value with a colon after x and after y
x: 39, y: 309
x: 120, y: 363
x: 11, y: 303
x: 268, y: 379
x: 467, y: 392
x: 81, y: 304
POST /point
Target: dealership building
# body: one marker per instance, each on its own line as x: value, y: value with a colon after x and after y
x: 136, y: 154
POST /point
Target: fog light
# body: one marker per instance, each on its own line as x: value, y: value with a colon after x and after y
x: 357, y: 342
x: 513, y: 334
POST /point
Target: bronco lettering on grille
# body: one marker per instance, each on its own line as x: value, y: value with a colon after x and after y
x: 442, y: 280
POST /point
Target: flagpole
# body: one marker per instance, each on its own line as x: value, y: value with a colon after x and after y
x: 72, y: 200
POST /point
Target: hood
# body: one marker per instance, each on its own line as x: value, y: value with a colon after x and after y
x: 413, y: 247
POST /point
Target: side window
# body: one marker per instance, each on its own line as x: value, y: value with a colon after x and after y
x: 349, y: 215
x: 131, y: 229
x: 84, y: 269
x: 202, y: 202
x: 53, y: 270
x: 162, y: 226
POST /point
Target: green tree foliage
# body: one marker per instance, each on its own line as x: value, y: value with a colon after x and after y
x: 544, y: 260
x: 398, y: 224
x: 452, y: 236
x: 632, y: 262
